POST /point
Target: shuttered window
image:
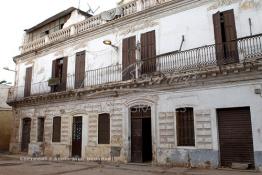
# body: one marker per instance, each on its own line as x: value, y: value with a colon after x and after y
x: 225, y: 37
x: 185, y: 127
x: 56, y: 129
x: 40, y: 129
x: 104, y: 128
x: 28, y: 80
x: 129, y: 58
x: 80, y: 70
x: 148, y: 52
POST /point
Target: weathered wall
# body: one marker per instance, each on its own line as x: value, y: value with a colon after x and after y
x: 196, y: 26
x: 5, y: 129
x: 163, y: 104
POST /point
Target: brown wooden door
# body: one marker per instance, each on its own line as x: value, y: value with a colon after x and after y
x: 136, y: 140
x: 148, y: 52
x: 225, y: 37
x: 80, y: 70
x: 26, y: 128
x: 77, y: 137
x: 235, y: 136
x: 129, y: 58
x: 28, y: 80
x: 141, y: 139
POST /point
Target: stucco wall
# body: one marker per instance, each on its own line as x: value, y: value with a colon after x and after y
x: 163, y: 104
x: 195, y: 23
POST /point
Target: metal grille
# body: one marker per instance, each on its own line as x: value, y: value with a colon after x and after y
x: 40, y: 129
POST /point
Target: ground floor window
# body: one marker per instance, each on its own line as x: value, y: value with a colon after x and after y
x: 104, y: 128
x: 185, y: 127
x: 40, y: 129
x: 56, y: 129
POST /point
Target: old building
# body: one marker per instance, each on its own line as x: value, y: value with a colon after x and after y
x: 162, y: 81
x: 5, y: 119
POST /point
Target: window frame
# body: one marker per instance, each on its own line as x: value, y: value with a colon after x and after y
x: 182, y: 142
x: 57, y: 140
x: 38, y: 129
x: 108, y: 141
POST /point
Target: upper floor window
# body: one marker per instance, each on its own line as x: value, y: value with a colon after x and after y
x: 225, y: 37
x: 59, y: 74
x: 28, y: 80
x: 56, y: 129
x: 185, y: 127
x: 104, y: 128
x: 80, y: 69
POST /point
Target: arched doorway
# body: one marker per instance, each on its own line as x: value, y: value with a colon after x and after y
x: 141, y: 136
x: 26, y: 128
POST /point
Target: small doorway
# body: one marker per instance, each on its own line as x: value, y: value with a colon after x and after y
x: 235, y: 136
x: 77, y: 137
x: 26, y: 124
x: 141, y: 137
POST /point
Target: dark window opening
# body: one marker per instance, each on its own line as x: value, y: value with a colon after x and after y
x: 104, y: 128
x: 185, y: 127
x: 40, y: 129
x: 56, y: 129
x: 59, y: 74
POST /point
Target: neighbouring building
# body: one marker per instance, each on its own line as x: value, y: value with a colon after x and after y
x: 164, y: 81
x: 5, y: 119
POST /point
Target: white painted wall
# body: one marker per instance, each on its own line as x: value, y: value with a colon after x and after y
x: 195, y: 24
x: 240, y: 95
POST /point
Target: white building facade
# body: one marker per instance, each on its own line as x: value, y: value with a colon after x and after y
x: 172, y: 82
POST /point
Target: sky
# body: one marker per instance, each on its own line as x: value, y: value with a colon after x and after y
x: 16, y: 16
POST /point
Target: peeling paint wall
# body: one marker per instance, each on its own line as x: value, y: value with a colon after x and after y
x: 196, y: 26
x: 205, y: 153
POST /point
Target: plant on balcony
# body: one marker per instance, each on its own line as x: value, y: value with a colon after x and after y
x: 53, y: 81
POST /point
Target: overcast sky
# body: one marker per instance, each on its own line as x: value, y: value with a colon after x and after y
x: 15, y: 16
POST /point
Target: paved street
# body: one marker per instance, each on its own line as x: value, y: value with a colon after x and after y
x: 11, y: 165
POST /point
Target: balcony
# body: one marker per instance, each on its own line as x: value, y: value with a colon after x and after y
x: 91, y: 23
x: 239, y: 51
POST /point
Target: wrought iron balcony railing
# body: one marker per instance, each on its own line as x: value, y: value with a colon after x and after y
x: 240, y: 50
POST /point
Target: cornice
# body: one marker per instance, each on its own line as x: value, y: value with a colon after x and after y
x: 156, y: 12
x: 207, y: 78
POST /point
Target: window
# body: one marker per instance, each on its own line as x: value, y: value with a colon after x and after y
x: 59, y: 74
x: 185, y: 127
x: 104, y: 128
x: 40, y: 129
x: 28, y: 80
x: 56, y: 129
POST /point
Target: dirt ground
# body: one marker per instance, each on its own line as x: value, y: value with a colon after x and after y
x: 14, y: 166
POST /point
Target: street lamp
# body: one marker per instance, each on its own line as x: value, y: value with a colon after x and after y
x: 109, y: 43
x: 7, y: 68
x: 4, y: 82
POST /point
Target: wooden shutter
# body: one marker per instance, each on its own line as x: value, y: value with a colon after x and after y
x: 128, y: 58
x: 231, y: 37
x: 40, y: 129
x: 185, y: 127
x: 56, y: 129
x: 218, y: 39
x: 148, y: 52
x: 104, y: 129
x: 53, y: 73
x: 80, y: 70
x: 64, y: 75
x: 28, y: 80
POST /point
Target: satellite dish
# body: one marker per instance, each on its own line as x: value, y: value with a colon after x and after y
x: 111, y: 14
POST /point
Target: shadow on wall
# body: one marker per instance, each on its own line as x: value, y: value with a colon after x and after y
x: 5, y: 129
